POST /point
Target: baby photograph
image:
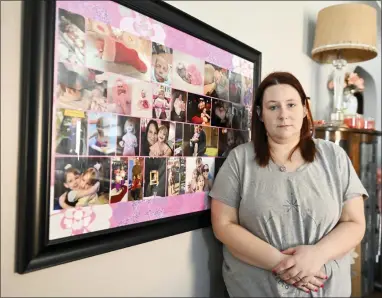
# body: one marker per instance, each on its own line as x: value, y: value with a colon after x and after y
x: 199, y: 174
x: 71, y: 132
x: 235, y: 87
x: 199, y: 109
x: 176, y: 176
x: 187, y: 73
x: 102, y: 136
x: 200, y: 140
x: 229, y: 139
x: 157, y: 138
x: 80, y: 88
x: 221, y: 114
x: 119, y: 183
x: 247, y: 92
x: 142, y: 97
x: 178, y: 105
x: 237, y: 116
x: 161, y: 67
x: 128, y: 136
x: 216, y: 83
x: 155, y: 178
x: 136, y: 176
x: 81, y: 182
x: 161, y: 102
x: 178, y: 151
x: 113, y: 50
x: 71, y: 41
x: 120, y: 93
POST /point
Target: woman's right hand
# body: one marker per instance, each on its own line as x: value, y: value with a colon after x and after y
x: 309, y: 283
x: 315, y: 282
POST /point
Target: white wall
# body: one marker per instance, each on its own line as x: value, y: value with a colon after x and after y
x: 284, y: 33
x: 182, y: 265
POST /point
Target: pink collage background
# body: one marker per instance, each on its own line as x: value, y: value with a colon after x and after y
x: 75, y: 221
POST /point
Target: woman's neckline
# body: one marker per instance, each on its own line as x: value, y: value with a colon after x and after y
x: 276, y: 168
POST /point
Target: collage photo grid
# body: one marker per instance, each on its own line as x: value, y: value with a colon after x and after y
x: 138, y: 120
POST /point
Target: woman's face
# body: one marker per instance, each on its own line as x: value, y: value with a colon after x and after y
x: 72, y: 181
x: 205, y: 171
x: 194, y: 174
x: 283, y: 112
x: 152, y: 134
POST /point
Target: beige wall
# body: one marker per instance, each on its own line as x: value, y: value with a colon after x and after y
x: 182, y: 265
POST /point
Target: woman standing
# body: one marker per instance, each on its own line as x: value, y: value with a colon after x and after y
x: 287, y: 203
x: 150, y: 137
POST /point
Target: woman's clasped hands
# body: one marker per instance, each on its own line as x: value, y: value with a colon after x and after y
x: 301, y: 267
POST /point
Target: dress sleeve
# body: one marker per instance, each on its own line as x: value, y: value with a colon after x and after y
x: 226, y: 187
x: 352, y: 186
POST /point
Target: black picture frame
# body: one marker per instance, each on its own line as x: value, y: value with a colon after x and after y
x: 34, y: 249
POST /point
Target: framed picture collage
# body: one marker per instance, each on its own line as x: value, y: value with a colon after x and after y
x: 143, y: 115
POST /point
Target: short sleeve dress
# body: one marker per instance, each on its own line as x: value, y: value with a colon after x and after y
x: 287, y: 209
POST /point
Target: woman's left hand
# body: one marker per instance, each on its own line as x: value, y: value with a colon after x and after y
x: 304, y: 260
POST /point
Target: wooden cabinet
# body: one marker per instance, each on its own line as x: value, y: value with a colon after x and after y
x: 362, y: 147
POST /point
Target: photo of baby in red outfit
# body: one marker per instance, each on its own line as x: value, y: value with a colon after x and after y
x: 113, y: 50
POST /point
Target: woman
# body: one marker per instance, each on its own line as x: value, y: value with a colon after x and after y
x: 150, y: 137
x: 207, y: 177
x: 287, y: 203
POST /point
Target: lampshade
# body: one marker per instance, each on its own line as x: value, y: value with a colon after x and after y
x: 350, y: 28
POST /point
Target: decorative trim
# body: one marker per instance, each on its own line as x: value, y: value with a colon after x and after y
x: 346, y: 45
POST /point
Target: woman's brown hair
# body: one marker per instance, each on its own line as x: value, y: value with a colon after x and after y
x: 259, y: 133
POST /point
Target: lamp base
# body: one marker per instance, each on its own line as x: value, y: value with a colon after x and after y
x: 337, y: 114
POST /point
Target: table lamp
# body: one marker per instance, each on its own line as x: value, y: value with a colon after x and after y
x: 345, y: 33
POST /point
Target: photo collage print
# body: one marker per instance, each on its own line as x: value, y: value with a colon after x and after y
x: 135, y: 119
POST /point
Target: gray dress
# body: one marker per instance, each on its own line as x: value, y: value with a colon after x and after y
x: 285, y: 210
